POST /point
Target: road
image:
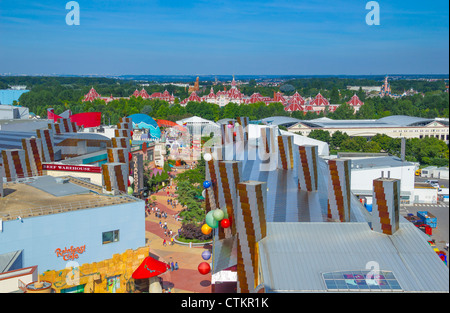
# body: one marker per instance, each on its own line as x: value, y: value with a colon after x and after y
x: 442, y: 182
x: 441, y: 211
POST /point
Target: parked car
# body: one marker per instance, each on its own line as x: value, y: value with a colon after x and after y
x: 433, y: 183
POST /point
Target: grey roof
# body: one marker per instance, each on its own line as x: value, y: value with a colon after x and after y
x: 380, y: 162
x: 280, y: 120
x: 225, y: 120
x: 13, y: 139
x: 389, y: 121
x: 57, y: 187
x: 294, y: 256
x: 7, y: 260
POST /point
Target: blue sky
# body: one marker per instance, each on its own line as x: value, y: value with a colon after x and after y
x: 224, y: 37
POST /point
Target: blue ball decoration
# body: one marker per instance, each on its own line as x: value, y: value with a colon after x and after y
x: 206, y: 255
x: 206, y: 184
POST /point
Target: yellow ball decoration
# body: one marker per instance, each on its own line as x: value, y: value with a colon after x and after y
x: 206, y: 230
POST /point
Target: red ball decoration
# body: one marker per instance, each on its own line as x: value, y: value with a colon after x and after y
x: 225, y: 223
x: 204, y: 268
x: 129, y: 183
x: 129, y: 155
x: 131, y: 133
x: 234, y: 134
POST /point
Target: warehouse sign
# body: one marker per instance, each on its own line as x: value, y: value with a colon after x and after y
x: 70, y: 253
x: 72, y: 168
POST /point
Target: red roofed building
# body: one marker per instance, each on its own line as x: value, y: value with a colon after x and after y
x: 165, y: 96
x: 91, y: 95
x: 143, y: 94
x: 319, y: 100
x: 278, y: 97
x: 256, y: 97
x: 295, y: 103
x: 135, y: 93
x: 192, y: 97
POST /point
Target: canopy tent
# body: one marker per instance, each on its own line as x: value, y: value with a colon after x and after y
x: 143, y: 121
x: 150, y: 268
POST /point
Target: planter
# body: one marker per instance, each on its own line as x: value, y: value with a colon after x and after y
x: 194, y: 244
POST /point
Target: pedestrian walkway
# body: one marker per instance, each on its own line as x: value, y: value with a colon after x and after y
x: 186, y: 279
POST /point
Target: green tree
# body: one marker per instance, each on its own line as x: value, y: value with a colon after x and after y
x: 319, y: 134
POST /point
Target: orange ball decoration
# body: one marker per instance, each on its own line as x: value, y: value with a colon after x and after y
x: 206, y: 230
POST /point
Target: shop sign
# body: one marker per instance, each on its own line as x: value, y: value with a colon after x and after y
x: 70, y: 253
x: 72, y: 168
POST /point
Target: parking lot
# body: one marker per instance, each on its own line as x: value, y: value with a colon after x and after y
x: 439, y: 210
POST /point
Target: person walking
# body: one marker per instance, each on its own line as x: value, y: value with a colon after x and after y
x: 176, y: 266
x: 164, y: 243
x: 171, y: 266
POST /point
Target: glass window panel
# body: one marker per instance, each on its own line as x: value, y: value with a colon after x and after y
x: 348, y: 276
x: 359, y: 277
x: 360, y: 282
x: 352, y: 286
x: 389, y: 275
x: 330, y: 284
x: 337, y: 276
x: 327, y: 275
x: 363, y: 287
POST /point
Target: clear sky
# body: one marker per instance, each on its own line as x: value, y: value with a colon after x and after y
x: 224, y: 37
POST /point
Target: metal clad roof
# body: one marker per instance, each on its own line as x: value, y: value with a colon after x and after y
x: 294, y: 255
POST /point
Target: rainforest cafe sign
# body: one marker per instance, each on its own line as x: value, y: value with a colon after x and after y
x: 71, y: 253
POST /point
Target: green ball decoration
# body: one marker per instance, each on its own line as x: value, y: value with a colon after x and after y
x: 225, y: 213
x: 210, y: 220
x: 130, y: 190
x: 218, y: 215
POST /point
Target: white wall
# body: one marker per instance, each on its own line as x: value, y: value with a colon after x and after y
x: 255, y: 132
x: 426, y: 195
x: 362, y: 179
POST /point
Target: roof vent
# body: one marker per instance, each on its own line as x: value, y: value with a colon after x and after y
x: 61, y: 180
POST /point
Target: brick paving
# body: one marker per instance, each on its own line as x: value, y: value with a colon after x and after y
x: 186, y: 279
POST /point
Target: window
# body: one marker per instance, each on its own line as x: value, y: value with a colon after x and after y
x: 110, y: 236
x: 360, y: 281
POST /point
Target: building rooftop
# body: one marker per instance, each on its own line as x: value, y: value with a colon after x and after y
x: 34, y: 197
x: 378, y: 162
x: 294, y: 256
x: 389, y: 121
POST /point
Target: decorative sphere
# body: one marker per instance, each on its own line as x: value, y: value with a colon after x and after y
x: 230, y: 125
x: 131, y: 133
x: 207, y: 157
x: 129, y: 155
x: 218, y: 214
x: 206, y: 255
x: 225, y: 223
x: 206, y: 230
x: 130, y: 190
x: 131, y: 142
x: 206, y: 184
x: 204, y: 268
x: 210, y: 220
x: 131, y: 179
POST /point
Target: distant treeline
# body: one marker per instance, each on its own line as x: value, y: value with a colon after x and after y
x: 62, y: 93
